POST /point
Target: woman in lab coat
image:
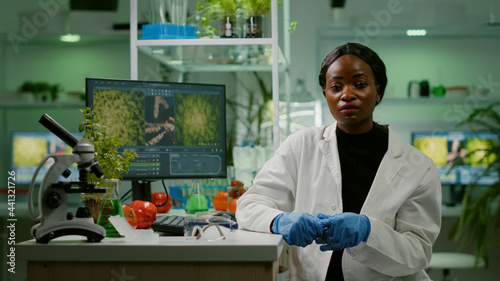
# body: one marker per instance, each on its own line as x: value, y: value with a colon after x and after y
x: 352, y: 199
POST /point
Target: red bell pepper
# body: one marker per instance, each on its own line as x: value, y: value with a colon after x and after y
x: 159, y: 198
x: 237, y: 189
x: 146, y: 213
x: 130, y: 216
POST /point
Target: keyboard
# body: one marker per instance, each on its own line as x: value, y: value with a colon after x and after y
x: 171, y: 224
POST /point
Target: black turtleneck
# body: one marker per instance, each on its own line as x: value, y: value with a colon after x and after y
x: 360, y: 156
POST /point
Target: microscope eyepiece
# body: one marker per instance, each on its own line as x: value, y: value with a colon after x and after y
x: 58, y: 130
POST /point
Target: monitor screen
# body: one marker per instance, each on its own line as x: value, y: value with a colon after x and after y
x: 177, y: 129
x: 29, y: 149
x: 461, y: 157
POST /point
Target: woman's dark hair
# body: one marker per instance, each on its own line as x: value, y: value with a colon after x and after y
x: 362, y: 52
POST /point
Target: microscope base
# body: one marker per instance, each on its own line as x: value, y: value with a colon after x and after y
x: 45, y: 233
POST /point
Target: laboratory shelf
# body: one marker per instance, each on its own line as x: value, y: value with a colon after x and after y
x: 180, y: 66
x: 206, y: 42
x: 196, y: 59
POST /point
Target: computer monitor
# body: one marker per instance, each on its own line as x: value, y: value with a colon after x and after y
x: 461, y: 157
x: 29, y: 148
x: 177, y: 129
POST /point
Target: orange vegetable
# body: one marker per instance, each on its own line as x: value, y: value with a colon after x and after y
x: 232, y: 205
x: 159, y: 198
x: 220, y: 201
x: 130, y: 216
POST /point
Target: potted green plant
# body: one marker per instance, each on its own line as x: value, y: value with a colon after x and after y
x: 480, y: 217
x: 228, y: 14
x: 106, y: 146
x: 255, y: 7
x: 254, y: 11
x: 222, y: 11
x: 40, y: 91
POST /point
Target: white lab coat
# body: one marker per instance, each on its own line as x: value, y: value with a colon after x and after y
x: 403, y: 205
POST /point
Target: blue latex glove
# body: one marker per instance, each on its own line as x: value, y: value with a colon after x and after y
x: 299, y: 229
x: 345, y: 230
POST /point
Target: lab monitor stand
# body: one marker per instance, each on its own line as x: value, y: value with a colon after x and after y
x: 141, y: 190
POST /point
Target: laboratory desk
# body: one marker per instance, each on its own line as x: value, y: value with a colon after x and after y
x: 242, y: 256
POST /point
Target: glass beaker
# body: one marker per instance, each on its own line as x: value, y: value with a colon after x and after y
x: 254, y: 26
x: 177, y: 11
x: 111, y: 206
x: 158, y: 11
x: 197, y: 201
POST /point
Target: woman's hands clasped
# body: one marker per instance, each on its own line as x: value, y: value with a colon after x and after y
x: 334, y: 232
x: 299, y: 229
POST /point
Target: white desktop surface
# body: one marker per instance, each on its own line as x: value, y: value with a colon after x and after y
x: 240, y: 246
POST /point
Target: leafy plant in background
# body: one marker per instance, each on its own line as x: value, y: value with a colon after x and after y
x: 38, y: 88
x: 256, y: 108
x: 106, y: 148
x: 480, y: 215
x: 214, y: 10
x: 251, y: 8
x: 112, y: 164
x: 256, y: 7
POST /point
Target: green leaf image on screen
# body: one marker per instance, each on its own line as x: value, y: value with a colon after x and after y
x: 435, y: 148
x: 197, y: 120
x: 479, y: 152
x: 29, y: 151
x: 123, y: 112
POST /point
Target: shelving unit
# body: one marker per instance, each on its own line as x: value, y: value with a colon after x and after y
x: 200, y: 64
x: 150, y: 46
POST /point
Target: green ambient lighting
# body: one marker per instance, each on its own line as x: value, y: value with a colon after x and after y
x: 70, y: 38
x: 416, y: 32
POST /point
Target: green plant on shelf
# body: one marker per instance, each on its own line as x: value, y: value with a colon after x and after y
x: 211, y: 11
x: 256, y: 7
x: 215, y: 10
x: 250, y: 8
x: 42, y: 90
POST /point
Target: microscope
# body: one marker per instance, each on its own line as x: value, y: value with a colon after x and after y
x: 55, y: 220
